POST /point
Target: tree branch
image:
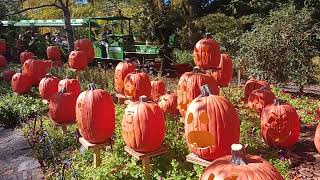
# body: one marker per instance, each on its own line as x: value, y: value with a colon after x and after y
x: 28, y: 9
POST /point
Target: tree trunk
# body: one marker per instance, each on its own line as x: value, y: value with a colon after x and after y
x: 68, y: 27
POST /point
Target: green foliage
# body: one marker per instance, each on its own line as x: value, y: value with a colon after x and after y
x: 183, y: 56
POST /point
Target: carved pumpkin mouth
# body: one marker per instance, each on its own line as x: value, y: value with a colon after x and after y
x: 200, y: 140
x: 279, y: 136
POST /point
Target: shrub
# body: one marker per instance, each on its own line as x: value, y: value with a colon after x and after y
x: 183, y: 56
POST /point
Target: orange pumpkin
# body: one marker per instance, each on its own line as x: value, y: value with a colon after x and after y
x: 25, y: 56
x: 120, y: 73
x: 143, y: 126
x: 7, y: 75
x: 70, y: 85
x: 206, y: 53
x: 317, y: 138
x: 224, y: 76
x: 3, y: 46
x: 36, y: 69
x: 253, y: 84
x: 168, y: 103
x: 3, y: 61
x: 280, y: 125
x: 260, y: 98
x: 48, y: 86
x: 54, y: 53
x: 137, y: 84
x: 212, y: 125
x: 86, y: 46
x: 95, y: 115
x: 78, y: 60
x: 21, y: 83
x: 239, y: 165
x: 189, y: 87
x: 158, y: 88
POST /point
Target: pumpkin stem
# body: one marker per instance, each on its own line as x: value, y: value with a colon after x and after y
x: 92, y: 86
x: 128, y: 60
x: 143, y: 99
x: 208, y: 35
x: 196, y: 69
x: 278, y: 102
x: 48, y: 75
x: 205, y: 91
x: 137, y: 70
x: 263, y: 88
x: 238, y: 154
x: 63, y: 90
x: 168, y: 92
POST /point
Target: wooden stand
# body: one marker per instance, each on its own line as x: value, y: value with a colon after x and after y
x: 78, y: 72
x: 96, y: 149
x: 63, y: 126
x: 122, y: 99
x: 196, y: 160
x: 145, y: 157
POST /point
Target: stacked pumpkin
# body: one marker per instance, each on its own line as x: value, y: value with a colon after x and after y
x: 86, y: 46
x: 54, y: 55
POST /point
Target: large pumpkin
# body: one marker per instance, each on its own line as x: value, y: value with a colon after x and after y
x: 317, y: 138
x: 70, y: 85
x: 21, y: 83
x: 253, y: 84
x: 206, y: 53
x: 3, y: 61
x: 48, y: 86
x: 25, y: 56
x: 240, y: 166
x: 280, y: 125
x: 62, y: 107
x: 36, y: 69
x: 78, y: 60
x: 7, y: 75
x: 224, y: 75
x: 212, y: 125
x: 143, y: 126
x: 260, y: 98
x: 54, y: 53
x: 95, y: 115
x: 3, y: 46
x: 121, y: 71
x: 168, y: 103
x: 86, y: 46
x: 137, y: 84
x: 189, y: 87
x: 158, y: 88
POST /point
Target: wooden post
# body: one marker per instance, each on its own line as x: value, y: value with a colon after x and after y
x: 196, y: 160
x: 146, y: 167
x: 239, y: 76
x: 96, y: 157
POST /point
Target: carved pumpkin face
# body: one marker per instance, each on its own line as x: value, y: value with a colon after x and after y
x: 211, y: 126
x: 260, y: 98
x: 137, y: 84
x: 206, y: 53
x: 253, y: 84
x: 130, y: 88
x: 168, y: 103
x: 121, y: 71
x: 280, y: 125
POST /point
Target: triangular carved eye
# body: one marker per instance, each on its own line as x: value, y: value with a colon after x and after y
x: 204, y: 118
x: 190, y: 118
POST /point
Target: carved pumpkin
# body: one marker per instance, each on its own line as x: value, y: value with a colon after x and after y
x: 3, y: 61
x: 158, y: 88
x: 260, y: 98
x: 168, y: 103
x: 239, y: 165
x: 54, y: 53
x: 25, y: 56
x: 70, y: 85
x: 48, y: 86
x: 206, y: 53
x: 120, y: 73
x: 62, y: 107
x: 137, y: 84
x: 317, y: 138
x: 36, y: 69
x: 212, y: 125
x: 253, y: 84
x: 189, y: 87
x: 86, y: 46
x: 224, y: 76
x: 7, y: 75
x: 95, y: 115
x: 78, y: 60
x: 3, y: 46
x: 21, y: 83
x: 143, y: 126
x: 280, y: 125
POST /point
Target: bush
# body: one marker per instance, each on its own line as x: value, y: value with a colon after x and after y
x: 183, y: 56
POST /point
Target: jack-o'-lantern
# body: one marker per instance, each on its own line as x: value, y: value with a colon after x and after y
x: 25, y: 56
x: 253, y: 84
x: 280, y: 125
x: 239, y: 165
x: 189, y: 87
x: 48, y: 86
x: 317, y: 138
x: 120, y: 73
x: 168, y: 103
x: 137, y: 84
x: 158, y: 88
x: 260, y: 98
x: 224, y: 76
x: 7, y: 75
x: 212, y: 125
x: 143, y: 126
x: 71, y: 86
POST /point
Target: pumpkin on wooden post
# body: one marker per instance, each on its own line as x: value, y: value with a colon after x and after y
x: 21, y: 83
x: 121, y: 71
x: 317, y: 138
x: 78, y: 60
x: 260, y: 98
x: 212, y: 125
x: 86, y: 46
x: 54, y: 53
x: 253, y: 84
x: 240, y: 165
x: 137, y: 84
x: 168, y: 103
x: 158, y: 88
x: 224, y: 76
x: 48, y: 86
x: 36, y: 69
x: 7, y: 75
x: 25, y: 56
x: 71, y: 86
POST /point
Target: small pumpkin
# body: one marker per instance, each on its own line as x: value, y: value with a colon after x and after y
x: 54, y: 53
x: 3, y: 61
x: 25, y: 56
x: 121, y: 71
x: 317, y: 138
x: 95, y: 115
x: 260, y: 98
x: 189, y: 87
x: 70, y: 85
x: 143, y: 126
x: 78, y: 60
x: 7, y: 75
x: 86, y: 46
x: 240, y: 165
x: 36, y: 69
x: 212, y: 125
x: 206, y: 53
x: 137, y: 84
x: 158, y: 88
x: 62, y: 107
x: 168, y: 103
x: 21, y: 83
x: 224, y: 76
x: 280, y: 125
x: 48, y: 86
x: 253, y: 84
